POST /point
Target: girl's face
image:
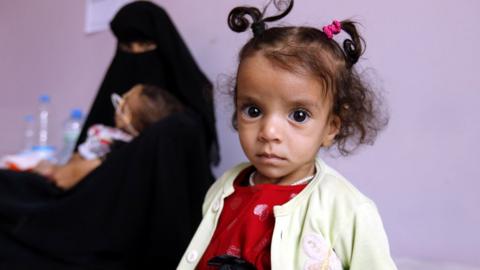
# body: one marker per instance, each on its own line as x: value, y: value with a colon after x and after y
x: 283, y: 120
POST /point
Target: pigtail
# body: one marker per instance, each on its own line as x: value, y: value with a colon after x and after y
x: 353, y: 48
x: 238, y: 22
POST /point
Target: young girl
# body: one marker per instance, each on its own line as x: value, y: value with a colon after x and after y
x: 140, y: 107
x: 296, y: 92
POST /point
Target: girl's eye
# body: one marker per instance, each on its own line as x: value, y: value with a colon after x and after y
x: 299, y: 116
x: 251, y: 111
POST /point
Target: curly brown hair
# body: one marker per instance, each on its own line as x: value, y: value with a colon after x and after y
x: 307, y: 49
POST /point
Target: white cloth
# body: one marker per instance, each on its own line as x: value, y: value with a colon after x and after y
x: 99, y: 141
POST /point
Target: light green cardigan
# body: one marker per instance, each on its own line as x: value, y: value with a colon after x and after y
x: 330, y: 225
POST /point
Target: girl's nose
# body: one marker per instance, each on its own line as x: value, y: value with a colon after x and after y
x: 270, y: 130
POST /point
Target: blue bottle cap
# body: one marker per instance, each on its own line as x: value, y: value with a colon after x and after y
x: 28, y: 118
x: 43, y: 148
x: 44, y: 98
x: 76, y: 114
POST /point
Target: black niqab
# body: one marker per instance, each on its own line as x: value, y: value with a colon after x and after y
x: 170, y: 66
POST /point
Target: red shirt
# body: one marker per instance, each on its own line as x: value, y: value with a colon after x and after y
x: 246, y: 223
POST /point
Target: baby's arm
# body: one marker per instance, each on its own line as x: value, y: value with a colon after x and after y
x: 45, y: 168
x: 74, y: 171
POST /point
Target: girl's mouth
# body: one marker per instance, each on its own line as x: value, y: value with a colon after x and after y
x: 270, y: 158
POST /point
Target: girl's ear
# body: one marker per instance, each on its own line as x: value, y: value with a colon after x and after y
x: 333, y: 127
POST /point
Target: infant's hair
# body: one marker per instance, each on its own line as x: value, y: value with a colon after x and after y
x: 311, y: 51
x: 157, y: 103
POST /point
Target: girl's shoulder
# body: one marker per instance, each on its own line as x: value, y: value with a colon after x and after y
x: 335, y: 189
x: 224, y: 184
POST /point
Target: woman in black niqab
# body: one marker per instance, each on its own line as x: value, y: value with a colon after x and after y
x: 141, y: 206
x: 170, y: 65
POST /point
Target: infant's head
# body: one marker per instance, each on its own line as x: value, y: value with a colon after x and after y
x: 142, y: 106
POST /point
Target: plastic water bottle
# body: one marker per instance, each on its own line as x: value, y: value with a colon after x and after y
x: 43, y: 120
x: 71, y: 130
x: 29, y: 133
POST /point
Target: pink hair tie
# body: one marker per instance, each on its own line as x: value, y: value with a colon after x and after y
x: 332, y: 29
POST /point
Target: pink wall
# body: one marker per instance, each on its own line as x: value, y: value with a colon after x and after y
x: 44, y: 50
x: 422, y: 172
